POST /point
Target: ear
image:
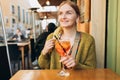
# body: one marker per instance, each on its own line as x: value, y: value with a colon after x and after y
x: 78, y: 19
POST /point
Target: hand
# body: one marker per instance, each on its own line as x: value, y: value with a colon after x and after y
x: 19, y: 33
x: 48, y: 46
x: 14, y: 39
x: 68, y: 61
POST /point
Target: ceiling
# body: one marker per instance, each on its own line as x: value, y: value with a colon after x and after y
x: 49, y: 14
x: 52, y: 2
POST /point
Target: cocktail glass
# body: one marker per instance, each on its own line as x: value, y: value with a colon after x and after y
x: 63, y: 48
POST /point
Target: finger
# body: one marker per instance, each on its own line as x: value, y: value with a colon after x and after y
x: 68, y: 60
x: 52, y: 40
x: 71, y: 65
x: 63, y: 59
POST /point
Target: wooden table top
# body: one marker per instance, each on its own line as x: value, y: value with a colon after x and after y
x: 93, y: 74
x: 22, y: 43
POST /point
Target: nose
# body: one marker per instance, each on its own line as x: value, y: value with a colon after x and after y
x: 63, y: 15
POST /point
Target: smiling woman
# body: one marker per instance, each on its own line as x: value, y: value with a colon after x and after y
x: 84, y: 55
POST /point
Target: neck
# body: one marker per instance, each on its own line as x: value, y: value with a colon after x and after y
x: 69, y: 33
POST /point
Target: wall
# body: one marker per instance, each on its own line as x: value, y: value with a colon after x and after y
x: 6, y: 10
x: 95, y: 15
x: 97, y: 29
x: 85, y: 11
x: 113, y: 37
x: 8, y: 16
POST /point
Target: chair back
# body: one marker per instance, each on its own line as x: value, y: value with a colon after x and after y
x: 4, y: 65
x: 14, y: 52
x: 32, y: 49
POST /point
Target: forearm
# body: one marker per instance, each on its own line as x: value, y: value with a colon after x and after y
x: 88, y: 59
x: 44, y: 61
x: 90, y: 65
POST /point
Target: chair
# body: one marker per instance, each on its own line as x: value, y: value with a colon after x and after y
x: 15, y: 55
x: 33, y: 56
x: 4, y: 65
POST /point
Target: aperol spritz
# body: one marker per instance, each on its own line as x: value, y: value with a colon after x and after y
x: 63, y: 47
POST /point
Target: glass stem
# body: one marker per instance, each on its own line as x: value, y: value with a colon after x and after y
x: 63, y: 67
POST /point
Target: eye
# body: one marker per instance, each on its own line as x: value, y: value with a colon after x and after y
x: 69, y: 12
x: 59, y: 13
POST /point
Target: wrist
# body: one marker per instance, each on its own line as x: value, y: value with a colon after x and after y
x: 44, y: 52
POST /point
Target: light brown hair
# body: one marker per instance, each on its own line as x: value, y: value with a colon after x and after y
x: 73, y: 5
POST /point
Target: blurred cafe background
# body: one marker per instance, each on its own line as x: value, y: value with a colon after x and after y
x: 100, y: 18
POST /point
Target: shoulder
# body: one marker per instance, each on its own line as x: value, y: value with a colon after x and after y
x: 56, y: 33
x: 50, y: 36
x: 86, y: 37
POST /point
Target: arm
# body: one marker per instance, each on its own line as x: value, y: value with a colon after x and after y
x: 14, y: 37
x: 86, y: 58
x: 44, y: 58
x: 44, y: 61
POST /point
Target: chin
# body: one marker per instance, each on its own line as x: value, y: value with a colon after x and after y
x: 64, y: 26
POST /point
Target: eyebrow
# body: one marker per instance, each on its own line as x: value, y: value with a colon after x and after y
x: 65, y: 11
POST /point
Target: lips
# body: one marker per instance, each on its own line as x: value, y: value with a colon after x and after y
x: 64, y: 21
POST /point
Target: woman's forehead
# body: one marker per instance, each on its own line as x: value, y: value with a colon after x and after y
x: 65, y: 7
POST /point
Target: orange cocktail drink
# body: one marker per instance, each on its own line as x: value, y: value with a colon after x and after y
x: 62, y: 47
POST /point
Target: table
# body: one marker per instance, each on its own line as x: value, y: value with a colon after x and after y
x: 92, y: 74
x: 21, y: 46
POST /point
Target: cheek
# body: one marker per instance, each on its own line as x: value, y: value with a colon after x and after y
x: 58, y: 18
x: 73, y: 19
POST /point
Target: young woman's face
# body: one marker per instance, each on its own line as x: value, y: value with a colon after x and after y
x: 67, y: 16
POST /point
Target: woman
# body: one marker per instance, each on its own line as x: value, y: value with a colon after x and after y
x: 18, y: 36
x: 84, y: 56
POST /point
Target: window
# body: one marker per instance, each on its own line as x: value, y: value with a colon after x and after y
x: 23, y: 13
x: 19, y: 14
x: 13, y: 9
x: 13, y: 22
x: 26, y: 17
